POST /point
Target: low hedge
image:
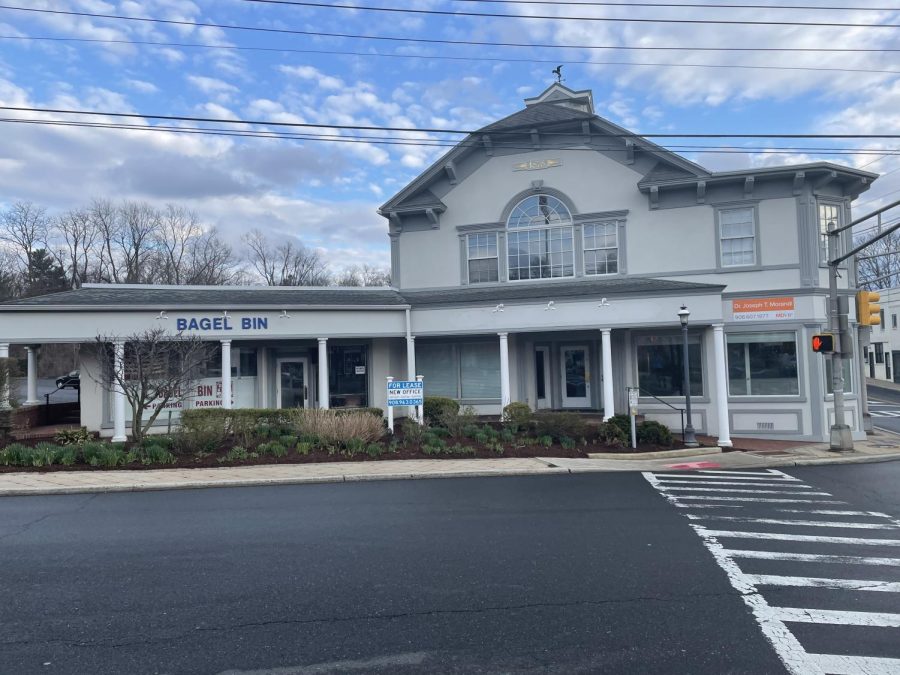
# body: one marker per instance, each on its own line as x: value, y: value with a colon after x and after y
x: 438, y: 409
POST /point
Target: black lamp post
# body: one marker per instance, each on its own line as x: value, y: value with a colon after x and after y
x: 689, y: 439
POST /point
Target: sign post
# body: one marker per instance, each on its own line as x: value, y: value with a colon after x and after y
x: 409, y: 393
x: 633, y: 396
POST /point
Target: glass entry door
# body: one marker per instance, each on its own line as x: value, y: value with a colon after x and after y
x: 576, y: 377
x: 292, y: 383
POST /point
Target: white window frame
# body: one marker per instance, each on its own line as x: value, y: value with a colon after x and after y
x: 822, y: 231
x: 470, y: 258
x: 546, y: 233
x: 748, y: 375
x: 614, y: 224
x: 753, y: 236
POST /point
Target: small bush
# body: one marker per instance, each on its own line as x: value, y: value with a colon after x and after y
x: 149, y: 453
x: 560, y: 424
x: 623, y: 422
x: 287, y: 440
x: 654, y: 433
x: 335, y: 428
x: 91, y: 450
x: 109, y: 455
x: 274, y: 448
x: 236, y: 454
x: 15, y: 454
x: 304, y: 447
x: 438, y: 409
x: 413, y: 432
x: 546, y: 440
x: 611, y: 434
x: 459, y: 449
x: 355, y: 446
x: 374, y: 449
x: 567, y: 443
x: 517, y: 416
x: 73, y: 436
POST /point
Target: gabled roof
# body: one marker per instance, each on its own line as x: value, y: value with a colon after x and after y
x: 556, y: 106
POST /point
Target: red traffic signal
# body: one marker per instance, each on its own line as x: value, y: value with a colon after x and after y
x: 823, y: 343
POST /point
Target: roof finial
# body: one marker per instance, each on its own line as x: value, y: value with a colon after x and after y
x: 558, y: 72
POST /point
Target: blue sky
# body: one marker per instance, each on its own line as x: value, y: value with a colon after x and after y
x: 326, y: 193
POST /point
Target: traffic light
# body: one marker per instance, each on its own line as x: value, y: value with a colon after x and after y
x: 823, y: 343
x: 868, y: 312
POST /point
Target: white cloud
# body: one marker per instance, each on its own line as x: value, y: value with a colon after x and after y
x: 142, y: 86
x: 313, y: 75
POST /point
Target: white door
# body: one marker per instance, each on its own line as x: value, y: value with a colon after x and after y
x: 576, y: 377
x: 542, y: 377
x: 292, y: 383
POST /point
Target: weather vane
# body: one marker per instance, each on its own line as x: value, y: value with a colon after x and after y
x: 558, y: 72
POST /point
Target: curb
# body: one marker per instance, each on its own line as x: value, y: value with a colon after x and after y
x: 660, y: 454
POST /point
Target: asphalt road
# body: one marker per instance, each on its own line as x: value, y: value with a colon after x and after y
x: 45, y: 386
x: 884, y: 406
x: 559, y: 574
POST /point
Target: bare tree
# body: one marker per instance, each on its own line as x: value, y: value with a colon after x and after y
x: 212, y: 262
x: 24, y: 226
x: 364, y: 275
x: 137, y: 239
x: 289, y: 263
x: 105, y: 217
x: 75, y: 234
x: 159, y: 370
x: 879, y: 265
x: 190, y: 253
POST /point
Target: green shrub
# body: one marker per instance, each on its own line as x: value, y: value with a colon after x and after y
x: 148, y: 453
x: 237, y: 454
x: 413, y: 432
x: 374, y: 449
x: 355, y: 446
x: 304, y: 447
x: 567, y: 443
x: 15, y: 454
x: 611, y: 434
x: 517, y: 416
x: 623, y: 422
x: 434, y: 446
x: 91, y: 450
x: 73, y: 436
x: 459, y: 449
x: 654, y: 433
x: 109, y: 455
x: 438, y: 409
x: 546, y: 440
x: 560, y: 424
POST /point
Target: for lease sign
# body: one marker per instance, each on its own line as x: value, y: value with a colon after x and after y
x: 762, y: 309
x: 405, y: 393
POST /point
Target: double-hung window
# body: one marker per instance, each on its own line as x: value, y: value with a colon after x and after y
x: 763, y: 364
x: 482, y: 257
x: 737, y: 236
x: 540, y: 239
x: 468, y: 371
x: 829, y: 219
x: 601, y: 248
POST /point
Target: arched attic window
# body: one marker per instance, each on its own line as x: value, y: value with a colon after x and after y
x: 540, y: 239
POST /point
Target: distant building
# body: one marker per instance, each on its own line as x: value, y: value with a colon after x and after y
x: 882, y: 356
x: 544, y: 260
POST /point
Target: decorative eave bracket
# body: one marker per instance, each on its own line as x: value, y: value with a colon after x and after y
x: 433, y: 218
x: 701, y: 191
x: 824, y: 180
x: 799, y: 180
x: 450, y: 168
x: 749, y: 183
x: 654, y: 196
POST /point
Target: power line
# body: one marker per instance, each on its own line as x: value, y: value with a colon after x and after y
x: 423, y: 142
x: 563, y: 3
x: 437, y: 41
x: 554, y: 17
x: 441, y: 57
x: 361, y: 127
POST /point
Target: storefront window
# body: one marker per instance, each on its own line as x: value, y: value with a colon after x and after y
x: 763, y: 364
x: 348, y: 378
x: 246, y: 362
x: 661, y: 367
x: 467, y: 371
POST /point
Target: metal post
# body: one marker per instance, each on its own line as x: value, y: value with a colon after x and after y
x: 390, y: 408
x: 861, y: 344
x: 690, y: 440
x: 420, y: 409
x: 840, y: 439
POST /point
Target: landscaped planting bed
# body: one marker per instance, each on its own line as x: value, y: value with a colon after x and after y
x: 217, y: 437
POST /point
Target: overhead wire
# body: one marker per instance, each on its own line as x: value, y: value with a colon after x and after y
x: 443, y: 57
x: 704, y: 5
x: 406, y: 39
x: 556, y: 17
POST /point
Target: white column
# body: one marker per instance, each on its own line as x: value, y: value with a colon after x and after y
x: 721, y: 368
x: 608, y: 393
x: 323, y: 373
x: 410, y: 357
x: 118, y: 393
x: 226, y: 374
x: 32, y: 376
x: 4, y: 390
x: 504, y: 370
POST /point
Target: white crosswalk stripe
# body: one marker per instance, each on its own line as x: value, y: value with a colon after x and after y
x: 763, y: 576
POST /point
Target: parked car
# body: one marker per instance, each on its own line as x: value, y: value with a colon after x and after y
x: 69, y: 381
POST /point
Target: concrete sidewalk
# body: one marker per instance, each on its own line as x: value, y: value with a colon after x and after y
x: 878, y: 448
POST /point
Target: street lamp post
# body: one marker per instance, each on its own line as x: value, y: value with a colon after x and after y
x: 689, y: 439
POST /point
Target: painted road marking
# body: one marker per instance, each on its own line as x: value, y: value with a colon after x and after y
x: 766, y: 474
x: 815, y: 558
x: 817, y: 582
x: 774, y: 621
x: 671, y: 481
x: 694, y: 465
x: 837, y: 617
x: 705, y: 476
x: 801, y: 523
x: 884, y: 413
x: 855, y: 665
x: 781, y: 536
x: 746, y: 492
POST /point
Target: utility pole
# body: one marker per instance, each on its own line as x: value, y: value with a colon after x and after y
x: 838, y: 306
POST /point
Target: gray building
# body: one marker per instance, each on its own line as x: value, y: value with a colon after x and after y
x: 543, y: 259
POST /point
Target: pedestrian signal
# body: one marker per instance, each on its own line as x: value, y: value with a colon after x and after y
x: 823, y: 343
